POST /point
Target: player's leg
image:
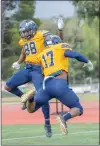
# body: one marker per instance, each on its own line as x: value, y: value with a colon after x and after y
x: 36, y: 102
x: 37, y: 79
x: 58, y: 88
x: 69, y: 99
x: 33, y: 104
x: 19, y: 78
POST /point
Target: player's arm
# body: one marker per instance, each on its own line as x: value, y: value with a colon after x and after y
x: 60, y: 27
x: 22, y: 57
x: 79, y: 57
x: 76, y: 55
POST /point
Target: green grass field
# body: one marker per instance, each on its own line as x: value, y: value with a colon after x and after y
x: 84, y: 134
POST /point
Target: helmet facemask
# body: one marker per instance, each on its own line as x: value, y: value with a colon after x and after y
x: 27, y: 29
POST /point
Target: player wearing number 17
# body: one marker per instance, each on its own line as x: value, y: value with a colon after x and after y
x: 32, y: 44
x: 54, y: 61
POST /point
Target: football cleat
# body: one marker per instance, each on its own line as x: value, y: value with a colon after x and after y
x: 63, y: 125
x: 24, y: 106
x: 48, y: 130
x: 28, y: 95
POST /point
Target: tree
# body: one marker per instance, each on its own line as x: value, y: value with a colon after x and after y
x: 6, y: 7
x: 26, y: 10
x: 73, y: 33
x: 88, y: 9
x: 91, y: 43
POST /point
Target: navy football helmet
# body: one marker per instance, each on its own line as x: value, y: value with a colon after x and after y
x: 52, y: 40
x: 27, y: 29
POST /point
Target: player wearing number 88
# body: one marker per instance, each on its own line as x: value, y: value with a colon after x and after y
x: 32, y: 44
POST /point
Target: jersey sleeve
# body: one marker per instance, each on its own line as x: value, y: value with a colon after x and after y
x: 76, y: 55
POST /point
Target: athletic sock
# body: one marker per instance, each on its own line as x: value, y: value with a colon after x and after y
x: 47, y: 122
x: 16, y: 92
x: 67, y: 116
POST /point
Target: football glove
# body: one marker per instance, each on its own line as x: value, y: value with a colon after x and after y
x: 89, y: 65
x: 60, y: 24
x: 16, y: 65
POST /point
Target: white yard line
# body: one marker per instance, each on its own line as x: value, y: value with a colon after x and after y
x: 42, y: 136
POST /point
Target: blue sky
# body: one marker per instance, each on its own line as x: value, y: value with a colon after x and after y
x: 47, y: 9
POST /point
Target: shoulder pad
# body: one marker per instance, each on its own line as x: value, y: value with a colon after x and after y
x: 45, y: 33
x: 65, y: 45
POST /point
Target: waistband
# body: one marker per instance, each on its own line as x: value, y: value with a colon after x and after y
x: 31, y: 63
x: 56, y: 73
x: 32, y: 66
x: 49, y: 77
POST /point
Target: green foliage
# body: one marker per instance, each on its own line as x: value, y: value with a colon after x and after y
x: 89, y: 12
x: 73, y: 33
x: 6, y: 67
x: 7, y: 71
x: 7, y: 7
x: 88, y: 9
x: 91, y: 35
x: 15, y: 39
x: 26, y: 10
x: 91, y: 43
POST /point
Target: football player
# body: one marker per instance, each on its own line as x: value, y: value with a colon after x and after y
x: 32, y: 44
x: 54, y: 61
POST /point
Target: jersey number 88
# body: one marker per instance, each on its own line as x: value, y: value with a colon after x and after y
x: 30, y: 48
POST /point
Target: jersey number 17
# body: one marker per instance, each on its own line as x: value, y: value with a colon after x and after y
x: 50, y: 55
